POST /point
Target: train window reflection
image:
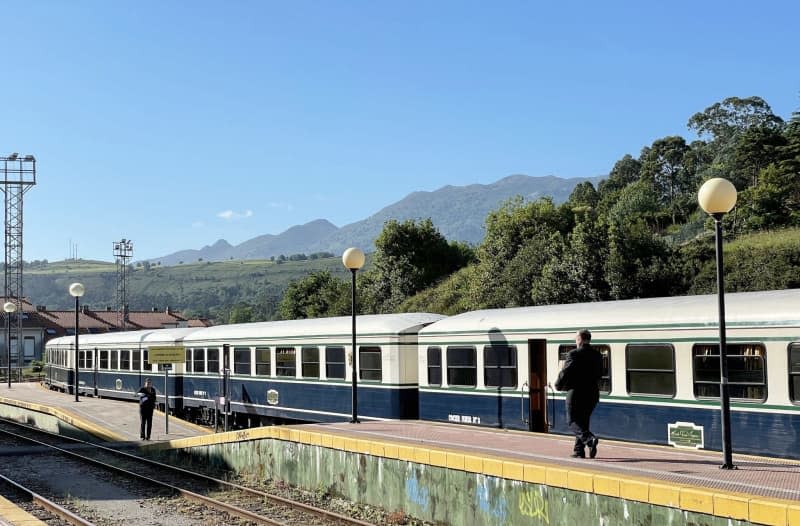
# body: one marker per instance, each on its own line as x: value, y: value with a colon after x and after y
x: 285, y: 362
x: 500, y: 366
x: 334, y: 363
x: 650, y: 369
x: 213, y: 360
x: 369, y: 363
x: 263, y: 362
x: 746, y: 371
x: 241, y: 360
x: 794, y: 372
x: 462, y: 368
x: 199, y: 360
x: 136, y: 360
x: 310, y: 362
x: 434, y: 366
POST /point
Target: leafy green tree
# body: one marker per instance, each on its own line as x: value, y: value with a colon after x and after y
x: 317, y: 295
x: 664, y: 164
x: 575, y: 274
x: 508, y: 229
x: 772, y: 203
x: 410, y: 257
x: 639, y: 264
x: 723, y: 120
x: 241, y: 313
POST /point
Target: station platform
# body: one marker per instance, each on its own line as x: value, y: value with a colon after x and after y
x: 110, y: 420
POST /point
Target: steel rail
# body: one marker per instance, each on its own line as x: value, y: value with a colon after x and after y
x: 275, y: 499
x: 48, y: 504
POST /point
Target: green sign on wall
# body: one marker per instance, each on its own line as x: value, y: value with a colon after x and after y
x: 685, y: 434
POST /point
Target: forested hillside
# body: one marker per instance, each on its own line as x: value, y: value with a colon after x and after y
x: 639, y: 233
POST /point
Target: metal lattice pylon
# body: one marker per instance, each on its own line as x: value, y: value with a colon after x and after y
x: 123, y: 251
x: 19, y: 174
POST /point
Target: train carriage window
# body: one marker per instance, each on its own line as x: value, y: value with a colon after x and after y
x: 309, y: 356
x: 462, y: 366
x: 334, y: 363
x: 794, y: 372
x: 500, y: 366
x: 746, y: 371
x: 434, y: 366
x: 82, y: 359
x: 241, y: 360
x: 650, y: 369
x: 188, y: 360
x: 125, y: 360
x: 146, y: 360
x: 199, y: 360
x: 369, y: 364
x: 104, y: 359
x: 604, y: 384
x: 263, y: 362
x: 113, y: 360
x: 285, y: 361
x: 136, y: 359
x: 212, y: 356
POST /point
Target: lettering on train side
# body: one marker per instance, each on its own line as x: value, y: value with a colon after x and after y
x: 201, y: 394
x: 464, y: 419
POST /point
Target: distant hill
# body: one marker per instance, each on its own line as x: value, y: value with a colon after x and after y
x: 457, y: 211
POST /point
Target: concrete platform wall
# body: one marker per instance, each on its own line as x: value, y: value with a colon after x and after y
x: 438, y: 494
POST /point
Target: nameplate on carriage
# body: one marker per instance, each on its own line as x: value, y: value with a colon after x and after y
x: 166, y: 354
x: 685, y: 434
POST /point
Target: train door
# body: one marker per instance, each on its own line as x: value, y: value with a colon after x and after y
x: 537, y: 386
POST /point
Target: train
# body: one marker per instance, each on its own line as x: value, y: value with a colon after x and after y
x: 496, y: 368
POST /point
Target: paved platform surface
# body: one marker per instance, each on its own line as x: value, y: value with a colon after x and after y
x: 755, y: 476
x: 119, y: 418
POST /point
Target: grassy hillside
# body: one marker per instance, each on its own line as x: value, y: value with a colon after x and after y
x: 207, y: 289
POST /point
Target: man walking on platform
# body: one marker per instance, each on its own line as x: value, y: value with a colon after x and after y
x: 579, y: 377
x: 147, y: 403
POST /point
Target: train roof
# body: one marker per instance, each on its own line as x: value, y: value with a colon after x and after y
x: 384, y: 324
x: 134, y: 338
x: 778, y: 307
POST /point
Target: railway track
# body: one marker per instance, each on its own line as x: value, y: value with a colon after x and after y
x: 167, y: 488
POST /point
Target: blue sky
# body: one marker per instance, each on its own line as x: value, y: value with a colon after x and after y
x: 177, y: 123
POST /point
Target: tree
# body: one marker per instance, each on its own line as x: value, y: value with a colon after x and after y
x: 723, y: 120
x: 663, y: 163
x: 241, y: 313
x: 639, y: 264
x: 409, y: 257
x: 576, y: 274
x: 514, y: 225
x: 317, y: 295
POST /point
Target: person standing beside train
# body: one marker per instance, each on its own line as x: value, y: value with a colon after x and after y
x: 147, y: 403
x: 579, y: 378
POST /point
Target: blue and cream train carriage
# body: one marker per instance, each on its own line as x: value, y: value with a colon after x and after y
x: 112, y: 364
x: 488, y: 368
x: 661, y: 369
x: 298, y: 370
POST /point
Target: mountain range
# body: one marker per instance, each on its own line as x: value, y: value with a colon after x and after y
x: 458, y: 212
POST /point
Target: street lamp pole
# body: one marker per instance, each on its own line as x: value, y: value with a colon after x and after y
x: 353, y: 259
x: 76, y: 290
x: 10, y: 308
x: 717, y: 197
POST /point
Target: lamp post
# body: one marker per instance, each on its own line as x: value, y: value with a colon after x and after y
x: 10, y: 308
x: 76, y: 290
x: 718, y: 197
x: 353, y: 259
